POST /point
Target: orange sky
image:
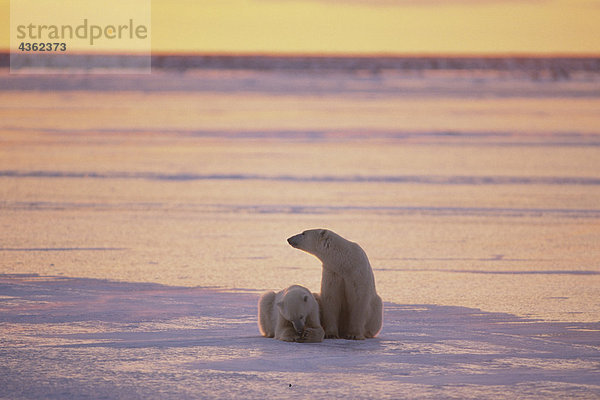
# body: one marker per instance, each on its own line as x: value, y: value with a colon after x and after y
x: 371, y: 26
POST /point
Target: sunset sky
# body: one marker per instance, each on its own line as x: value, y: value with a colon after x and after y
x: 371, y: 26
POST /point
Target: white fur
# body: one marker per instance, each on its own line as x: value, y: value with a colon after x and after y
x: 350, y: 306
x: 291, y: 315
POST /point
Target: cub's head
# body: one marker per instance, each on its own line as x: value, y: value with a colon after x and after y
x: 296, y: 306
x: 313, y: 241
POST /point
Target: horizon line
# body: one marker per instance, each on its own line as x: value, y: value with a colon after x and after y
x: 375, y: 54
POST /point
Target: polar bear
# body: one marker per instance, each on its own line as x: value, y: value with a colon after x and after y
x: 291, y: 315
x: 350, y: 306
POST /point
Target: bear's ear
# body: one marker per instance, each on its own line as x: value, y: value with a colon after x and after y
x: 305, y: 298
x: 324, y: 238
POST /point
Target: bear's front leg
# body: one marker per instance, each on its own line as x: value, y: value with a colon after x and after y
x: 329, y: 321
x: 356, y: 326
x: 332, y: 293
x: 358, y: 307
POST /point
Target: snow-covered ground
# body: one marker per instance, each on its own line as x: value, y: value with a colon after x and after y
x: 75, y: 338
x: 142, y: 216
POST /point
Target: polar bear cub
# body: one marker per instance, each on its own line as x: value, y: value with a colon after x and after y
x: 291, y: 315
x: 350, y: 305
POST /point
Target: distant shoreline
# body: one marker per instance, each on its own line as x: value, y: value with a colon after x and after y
x: 371, y: 63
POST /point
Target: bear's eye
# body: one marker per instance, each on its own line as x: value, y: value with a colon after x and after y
x: 302, y: 317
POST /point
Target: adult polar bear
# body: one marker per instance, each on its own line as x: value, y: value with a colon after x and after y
x: 350, y: 306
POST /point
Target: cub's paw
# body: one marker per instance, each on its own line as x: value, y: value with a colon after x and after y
x: 311, y: 335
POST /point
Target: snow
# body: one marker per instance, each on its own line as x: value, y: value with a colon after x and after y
x: 77, y: 338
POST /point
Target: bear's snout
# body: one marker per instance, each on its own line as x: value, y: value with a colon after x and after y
x: 294, y: 241
x: 298, y: 326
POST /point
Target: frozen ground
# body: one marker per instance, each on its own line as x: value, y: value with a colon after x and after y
x: 133, y: 209
x: 75, y: 338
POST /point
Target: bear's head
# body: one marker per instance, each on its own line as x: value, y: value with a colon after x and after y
x: 314, y: 241
x: 296, y: 306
